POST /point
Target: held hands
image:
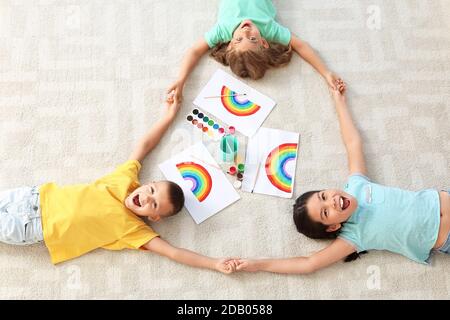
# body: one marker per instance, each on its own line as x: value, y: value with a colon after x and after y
x: 226, y: 266
x: 232, y: 265
x: 172, y: 105
x: 176, y: 87
x: 332, y: 80
x: 338, y: 94
x: 247, y: 265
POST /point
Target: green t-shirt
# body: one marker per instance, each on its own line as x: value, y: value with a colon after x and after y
x: 261, y: 12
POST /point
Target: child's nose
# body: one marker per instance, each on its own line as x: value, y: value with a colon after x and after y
x: 332, y: 203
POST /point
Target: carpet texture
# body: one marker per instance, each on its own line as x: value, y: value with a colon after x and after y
x: 81, y: 81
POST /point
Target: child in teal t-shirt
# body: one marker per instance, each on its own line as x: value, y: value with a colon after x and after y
x: 261, y: 14
x: 364, y: 215
x: 247, y: 38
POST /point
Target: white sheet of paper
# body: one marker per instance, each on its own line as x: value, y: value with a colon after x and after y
x: 260, y: 146
x: 248, y: 123
x: 221, y: 194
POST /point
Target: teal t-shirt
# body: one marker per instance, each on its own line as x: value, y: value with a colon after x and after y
x: 401, y: 221
x: 261, y: 12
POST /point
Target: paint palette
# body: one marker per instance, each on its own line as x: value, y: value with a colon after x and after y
x: 207, y: 125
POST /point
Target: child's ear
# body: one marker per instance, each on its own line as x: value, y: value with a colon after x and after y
x: 334, y: 227
x: 265, y: 44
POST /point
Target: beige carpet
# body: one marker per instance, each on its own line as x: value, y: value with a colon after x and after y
x: 80, y: 81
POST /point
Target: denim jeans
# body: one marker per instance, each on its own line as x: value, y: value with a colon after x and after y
x: 20, y: 216
x: 445, y: 248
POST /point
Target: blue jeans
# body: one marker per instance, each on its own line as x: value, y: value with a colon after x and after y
x: 20, y: 216
x: 446, y: 247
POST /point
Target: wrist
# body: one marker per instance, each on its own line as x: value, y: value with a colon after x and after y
x: 327, y: 73
x: 168, y: 117
x: 258, y: 265
x: 340, y: 102
x: 181, y: 81
x: 213, y: 263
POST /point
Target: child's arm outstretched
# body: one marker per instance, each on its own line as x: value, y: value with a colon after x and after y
x: 350, y: 134
x: 338, y: 250
x: 308, y: 54
x: 190, y: 60
x: 154, y: 135
x: 163, y: 248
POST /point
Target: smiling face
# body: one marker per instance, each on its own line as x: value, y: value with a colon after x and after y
x: 331, y: 208
x: 151, y: 200
x: 247, y: 37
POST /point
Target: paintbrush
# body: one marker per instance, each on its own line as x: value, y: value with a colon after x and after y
x: 206, y: 162
x: 257, y: 174
x: 223, y: 96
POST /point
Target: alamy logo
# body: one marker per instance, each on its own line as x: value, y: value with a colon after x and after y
x: 374, y: 19
x: 374, y: 280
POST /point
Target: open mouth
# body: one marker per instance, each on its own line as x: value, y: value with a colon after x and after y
x: 246, y: 24
x: 136, y: 200
x: 344, y: 203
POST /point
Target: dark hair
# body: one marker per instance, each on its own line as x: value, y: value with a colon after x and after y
x: 313, y: 229
x: 252, y: 63
x: 176, y: 197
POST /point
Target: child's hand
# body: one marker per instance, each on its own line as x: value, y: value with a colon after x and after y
x: 333, y: 80
x: 173, y: 105
x: 247, y: 265
x: 175, y: 90
x: 226, y: 266
x: 339, y: 93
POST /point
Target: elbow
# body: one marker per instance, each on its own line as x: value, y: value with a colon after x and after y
x: 311, y: 265
x: 306, y: 267
x: 172, y: 254
x: 358, y: 141
x: 355, y: 143
x: 195, y: 52
x: 308, y: 270
x: 298, y: 45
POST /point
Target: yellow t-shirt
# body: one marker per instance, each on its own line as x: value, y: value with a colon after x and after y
x: 80, y: 218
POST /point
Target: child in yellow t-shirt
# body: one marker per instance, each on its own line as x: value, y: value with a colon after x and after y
x: 74, y: 220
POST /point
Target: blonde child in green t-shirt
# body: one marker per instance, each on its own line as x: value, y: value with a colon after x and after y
x: 247, y: 38
x: 107, y: 213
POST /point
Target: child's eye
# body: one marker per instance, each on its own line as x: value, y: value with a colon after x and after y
x: 152, y: 190
x: 253, y: 38
x: 239, y: 39
x: 326, y: 213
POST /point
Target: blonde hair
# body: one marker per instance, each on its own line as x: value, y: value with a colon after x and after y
x: 252, y: 63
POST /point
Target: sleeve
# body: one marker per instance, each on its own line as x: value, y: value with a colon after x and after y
x: 129, y: 169
x: 134, y: 240
x: 348, y: 237
x: 354, y: 180
x: 280, y: 34
x: 215, y: 36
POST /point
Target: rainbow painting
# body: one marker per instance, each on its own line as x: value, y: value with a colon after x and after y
x: 199, y: 176
x: 276, y: 166
x: 236, y: 105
